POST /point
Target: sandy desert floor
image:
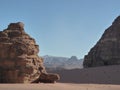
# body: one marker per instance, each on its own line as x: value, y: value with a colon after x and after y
x: 58, y: 86
x: 96, y: 75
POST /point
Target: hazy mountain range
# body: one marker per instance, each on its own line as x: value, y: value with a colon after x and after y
x: 53, y: 62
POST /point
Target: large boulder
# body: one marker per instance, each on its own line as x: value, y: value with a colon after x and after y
x: 107, y: 49
x: 47, y: 78
x: 19, y: 60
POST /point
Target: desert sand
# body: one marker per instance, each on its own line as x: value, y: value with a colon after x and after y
x: 58, y: 86
x: 96, y: 75
x: 98, y: 78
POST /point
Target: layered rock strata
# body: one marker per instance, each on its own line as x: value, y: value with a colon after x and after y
x: 19, y: 60
x: 107, y: 49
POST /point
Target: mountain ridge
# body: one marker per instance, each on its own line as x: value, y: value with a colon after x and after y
x: 54, y: 62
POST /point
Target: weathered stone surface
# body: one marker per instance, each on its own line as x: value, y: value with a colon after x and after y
x: 107, y: 49
x: 47, y: 78
x: 19, y: 60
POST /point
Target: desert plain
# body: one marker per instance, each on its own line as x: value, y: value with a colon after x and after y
x: 58, y: 86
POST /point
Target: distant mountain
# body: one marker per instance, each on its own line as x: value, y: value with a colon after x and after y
x: 73, y: 63
x: 53, y: 62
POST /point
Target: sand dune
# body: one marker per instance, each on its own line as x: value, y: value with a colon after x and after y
x: 58, y: 86
x: 97, y: 75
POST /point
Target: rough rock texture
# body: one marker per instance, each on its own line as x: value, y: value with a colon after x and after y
x: 19, y: 60
x: 47, y: 78
x: 107, y: 49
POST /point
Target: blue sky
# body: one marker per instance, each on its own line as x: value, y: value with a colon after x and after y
x: 61, y: 27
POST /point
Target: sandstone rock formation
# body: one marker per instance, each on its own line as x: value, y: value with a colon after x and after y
x: 107, y: 49
x: 19, y: 60
x: 47, y: 78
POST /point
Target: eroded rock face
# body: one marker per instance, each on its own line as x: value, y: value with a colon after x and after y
x: 47, y: 78
x: 19, y: 60
x: 107, y: 49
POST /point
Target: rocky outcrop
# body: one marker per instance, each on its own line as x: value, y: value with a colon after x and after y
x: 107, y: 49
x: 19, y: 60
x: 47, y: 78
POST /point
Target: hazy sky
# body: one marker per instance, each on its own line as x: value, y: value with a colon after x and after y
x: 61, y: 27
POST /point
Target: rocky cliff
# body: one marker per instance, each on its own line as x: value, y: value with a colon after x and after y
x: 107, y: 49
x: 19, y: 60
